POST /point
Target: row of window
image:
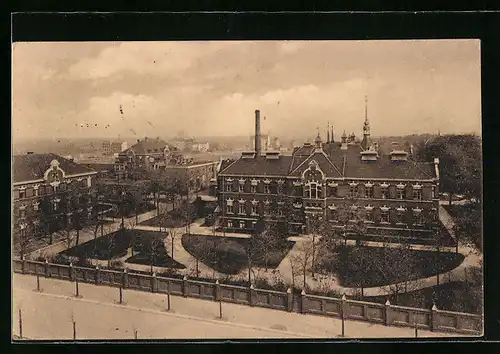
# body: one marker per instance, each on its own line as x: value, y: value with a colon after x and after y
x: 242, y: 210
x: 385, y: 215
x: 43, y: 189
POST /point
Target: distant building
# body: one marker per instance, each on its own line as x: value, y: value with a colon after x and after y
x: 145, y: 155
x: 109, y: 148
x: 42, y: 202
x: 200, y: 147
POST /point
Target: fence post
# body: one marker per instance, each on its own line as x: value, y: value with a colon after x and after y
x: 185, y: 286
x: 252, y: 295
x: 434, y: 318
x: 289, y: 297
x: 125, y: 278
x: 387, y: 314
x: 97, y: 275
x: 20, y: 324
x: 47, y: 269
x: 71, y: 277
x: 302, y: 301
x: 153, y: 283
x: 217, y: 290
x: 343, y: 314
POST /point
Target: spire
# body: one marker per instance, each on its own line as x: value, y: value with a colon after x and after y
x: 365, y: 144
x: 328, y: 134
x: 332, y: 140
x: 344, y: 137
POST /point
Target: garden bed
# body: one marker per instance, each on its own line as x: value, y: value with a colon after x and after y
x: 227, y: 254
x: 376, y: 270
x: 116, y: 244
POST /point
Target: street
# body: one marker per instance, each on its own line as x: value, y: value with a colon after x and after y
x: 48, y: 315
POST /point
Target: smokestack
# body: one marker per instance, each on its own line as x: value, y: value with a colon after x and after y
x: 258, y: 147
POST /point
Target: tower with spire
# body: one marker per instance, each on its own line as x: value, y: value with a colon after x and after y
x: 365, y: 144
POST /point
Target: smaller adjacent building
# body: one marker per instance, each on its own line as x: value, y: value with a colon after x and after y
x: 50, y: 193
x: 111, y: 147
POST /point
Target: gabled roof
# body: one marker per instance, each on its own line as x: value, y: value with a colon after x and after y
x: 259, y: 166
x: 33, y: 166
x: 324, y: 163
x: 148, y: 146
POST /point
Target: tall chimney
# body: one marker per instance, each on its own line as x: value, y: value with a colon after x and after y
x: 258, y: 147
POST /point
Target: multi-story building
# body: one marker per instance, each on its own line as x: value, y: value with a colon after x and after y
x: 50, y: 193
x: 111, y: 147
x: 145, y: 155
x: 194, y: 176
x: 342, y: 182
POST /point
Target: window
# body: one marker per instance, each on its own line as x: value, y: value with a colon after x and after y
x: 229, y: 187
x: 417, y: 194
x: 36, y: 205
x: 242, y: 224
x: 384, y: 192
x: 418, y: 218
x: 280, y: 188
x: 241, y: 208
x: 22, y: 193
x: 230, y: 223
x: 333, y: 215
x: 41, y: 190
x: 22, y: 213
x: 368, y: 191
x: 254, y: 209
x: 401, y: 216
x: 229, y: 208
x: 314, y: 190
x: 254, y: 224
x: 267, y: 190
x: 384, y: 216
x: 16, y: 194
x: 280, y: 212
x: 353, y: 190
x: 29, y: 192
x: 401, y: 193
x: 369, y: 215
x: 353, y: 213
x: 253, y: 189
x: 433, y: 192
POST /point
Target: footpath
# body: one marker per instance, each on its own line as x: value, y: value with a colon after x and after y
x: 98, y: 315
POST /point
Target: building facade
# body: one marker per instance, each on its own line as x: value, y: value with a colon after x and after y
x: 50, y: 193
x: 145, y: 155
x: 195, y: 176
x: 343, y: 182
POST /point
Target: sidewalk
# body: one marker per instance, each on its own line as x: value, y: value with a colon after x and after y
x: 47, y: 315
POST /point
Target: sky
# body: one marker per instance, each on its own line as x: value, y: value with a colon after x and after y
x: 138, y: 89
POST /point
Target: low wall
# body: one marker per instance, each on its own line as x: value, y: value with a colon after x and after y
x: 389, y: 315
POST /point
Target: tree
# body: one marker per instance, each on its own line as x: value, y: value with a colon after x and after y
x: 172, y: 235
x: 152, y: 245
x: 111, y: 244
x: 302, y: 259
x: 459, y: 163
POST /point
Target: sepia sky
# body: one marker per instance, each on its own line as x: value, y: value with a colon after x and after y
x: 213, y: 88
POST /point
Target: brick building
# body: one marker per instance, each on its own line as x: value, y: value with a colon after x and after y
x: 342, y: 182
x: 195, y: 176
x: 49, y: 191
x: 145, y: 155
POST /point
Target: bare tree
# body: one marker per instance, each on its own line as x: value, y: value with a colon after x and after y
x: 152, y: 245
x: 172, y: 235
x: 111, y: 244
x: 304, y: 259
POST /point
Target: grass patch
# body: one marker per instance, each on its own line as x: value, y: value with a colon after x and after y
x: 173, y: 219
x: 227, y: 254
x: 116, y: 244
x: 455, y: 296
x: 368, y: 273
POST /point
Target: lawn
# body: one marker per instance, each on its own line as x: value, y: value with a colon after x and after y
x: 227, y: 254
x: 455, y: 296
x: 173, y: 219
x: 129, y: 211
x: 377, y: 266
x: 115, y: 245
